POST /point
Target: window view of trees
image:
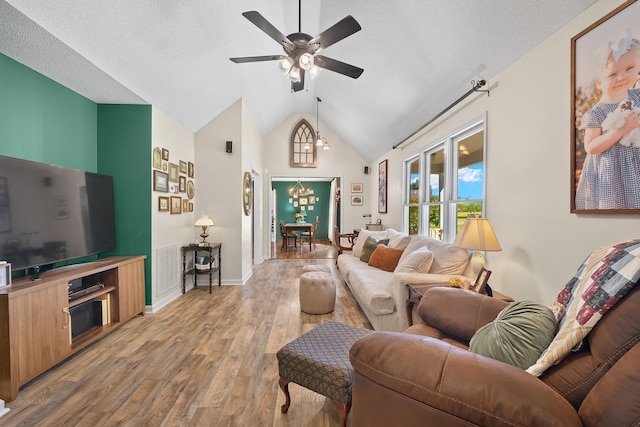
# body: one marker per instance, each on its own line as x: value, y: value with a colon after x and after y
x: 450, y: 189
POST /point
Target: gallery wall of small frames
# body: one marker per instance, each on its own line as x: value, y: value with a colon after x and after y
x: 176, y: 180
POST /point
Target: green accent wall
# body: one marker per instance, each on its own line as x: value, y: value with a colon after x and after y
x: 322, y: 192
x: 43, y: 121
x: 124, y: 147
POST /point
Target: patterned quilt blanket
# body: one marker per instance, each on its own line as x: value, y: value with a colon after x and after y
x: 601, y: 281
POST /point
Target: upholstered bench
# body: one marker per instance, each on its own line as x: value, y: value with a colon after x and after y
x: 317, y: 292
x: 319, y: 361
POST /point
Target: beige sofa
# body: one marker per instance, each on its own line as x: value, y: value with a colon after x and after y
x: 382, y: 294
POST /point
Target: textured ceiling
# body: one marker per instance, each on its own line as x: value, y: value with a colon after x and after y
x: 418, y: 56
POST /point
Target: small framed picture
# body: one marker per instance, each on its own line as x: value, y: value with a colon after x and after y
x: 310, y: 207
x: 303, y: 201
x: 160, y: 181
x: 356, y: 200
x: 183, y: 167
x: 157, y: 158
x: 176, y: 204
x: 312, y: 200
x: 173, y: 172
x: 165, y: 154
x: 356, y: 187
x: 163, y: 204
x: 190, y: 207
x: 183, y: 184
x: 190, y: 189
x: 481, y: 281
x: 190, y: 167
x: 174, y: 188
x: 185, y: 205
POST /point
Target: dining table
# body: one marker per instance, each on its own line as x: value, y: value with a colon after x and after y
x: 298, y: 226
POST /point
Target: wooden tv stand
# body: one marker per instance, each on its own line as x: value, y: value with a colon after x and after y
x: 35, y: 316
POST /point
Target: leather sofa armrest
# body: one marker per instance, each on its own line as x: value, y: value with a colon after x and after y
x: 458, y: 312
x: 471, y: 388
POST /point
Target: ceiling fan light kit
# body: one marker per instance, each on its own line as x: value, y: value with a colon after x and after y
x: 301, y: 49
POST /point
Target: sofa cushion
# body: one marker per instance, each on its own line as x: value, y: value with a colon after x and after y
x: 372, y: 288
x: 518, y: 335
x: 385, y: 258
x: 397, y: 239
x: 417, y: 261
x: 447, y: 259
x: 369, y: 246
x: 362, y: 237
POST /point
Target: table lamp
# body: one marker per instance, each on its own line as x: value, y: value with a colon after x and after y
x: 477, y: 234
x: 205, y: 222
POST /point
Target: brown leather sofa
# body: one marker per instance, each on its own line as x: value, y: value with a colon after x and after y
x: 426, y: 376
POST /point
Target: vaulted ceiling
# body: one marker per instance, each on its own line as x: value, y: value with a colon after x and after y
x: 418, y: 56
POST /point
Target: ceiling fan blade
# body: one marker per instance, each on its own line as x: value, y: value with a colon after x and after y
x: 262, y: 23
x: 298, y: 86
x: 338, y: 66
x: 257, y: 58
x: 334, y: 34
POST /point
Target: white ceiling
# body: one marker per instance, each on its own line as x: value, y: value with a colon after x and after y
x: 418, y: 55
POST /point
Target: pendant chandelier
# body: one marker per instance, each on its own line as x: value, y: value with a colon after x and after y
x: 320, y: 141
x: 299, y: 190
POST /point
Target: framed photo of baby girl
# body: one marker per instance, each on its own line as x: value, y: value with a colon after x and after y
x: 605, y: 130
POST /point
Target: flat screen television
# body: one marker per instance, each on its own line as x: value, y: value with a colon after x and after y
x: 50, y: 214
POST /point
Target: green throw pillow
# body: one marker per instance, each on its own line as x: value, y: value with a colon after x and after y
x: 518, y: 335
x: 369, y: 246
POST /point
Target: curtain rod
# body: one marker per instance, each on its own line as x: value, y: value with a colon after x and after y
x: 476, y: 86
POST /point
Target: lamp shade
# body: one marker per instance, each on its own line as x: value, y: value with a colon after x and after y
x: 478, y: 235
x: 204, y: 221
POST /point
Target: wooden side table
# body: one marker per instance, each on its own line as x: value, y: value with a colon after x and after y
x: 215, y: 264
x: 417, y: 290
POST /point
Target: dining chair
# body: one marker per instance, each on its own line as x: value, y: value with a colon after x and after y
x: 310, y: 236
x: 286, y: 237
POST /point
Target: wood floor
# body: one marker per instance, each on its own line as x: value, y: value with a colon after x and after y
x: 321, y: 250
x: 203, y: 360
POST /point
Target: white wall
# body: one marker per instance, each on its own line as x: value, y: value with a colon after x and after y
x: 167, y: 229
x: 252, y: 151
x: 340, y: 161
x: 220, y: 194
x: 528, y: 170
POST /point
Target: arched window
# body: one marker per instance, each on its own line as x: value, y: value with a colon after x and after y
x: 303, y: 146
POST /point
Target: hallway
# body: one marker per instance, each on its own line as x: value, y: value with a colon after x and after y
x: 324, y: 249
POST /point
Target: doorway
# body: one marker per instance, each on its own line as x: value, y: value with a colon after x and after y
x: 309, y: 197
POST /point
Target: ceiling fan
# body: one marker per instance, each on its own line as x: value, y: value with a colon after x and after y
x: 301, y: 49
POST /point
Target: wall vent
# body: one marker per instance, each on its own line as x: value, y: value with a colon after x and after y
x: 167, y: 269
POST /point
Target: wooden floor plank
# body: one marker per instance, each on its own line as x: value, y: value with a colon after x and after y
x: 203, y: 360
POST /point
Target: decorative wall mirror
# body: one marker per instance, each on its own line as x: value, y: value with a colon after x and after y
x: 247, y: 193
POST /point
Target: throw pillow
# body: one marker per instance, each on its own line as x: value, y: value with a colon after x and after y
x: 418, y: 261
x: 447, y: 259
x: 397, y: 239
x: 362, y: 237
x: 369, y: 246
x: 385, y: 258
x: 518, y: 335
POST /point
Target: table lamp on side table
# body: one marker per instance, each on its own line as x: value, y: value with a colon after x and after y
x: 205, y: 222
x: 478, y: 235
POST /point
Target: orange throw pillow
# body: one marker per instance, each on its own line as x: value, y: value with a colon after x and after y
x: 385, y: 258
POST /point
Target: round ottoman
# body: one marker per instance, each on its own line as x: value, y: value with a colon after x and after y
x: 315, y: 267
x: 317, y: 292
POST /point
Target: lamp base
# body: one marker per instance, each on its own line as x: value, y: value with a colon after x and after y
x: 477, y: 262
